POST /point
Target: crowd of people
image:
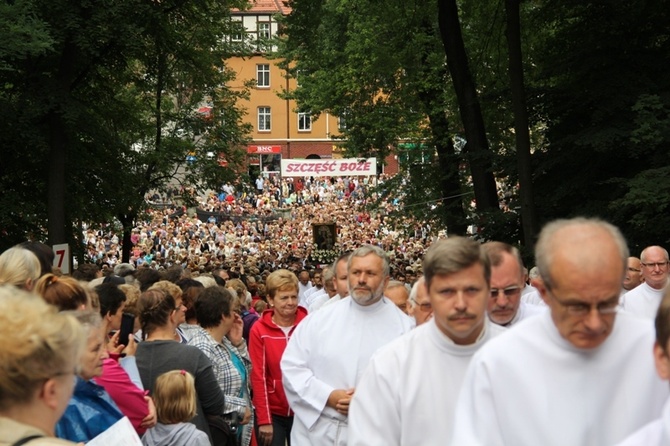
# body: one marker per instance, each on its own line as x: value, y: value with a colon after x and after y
x: 266, y: 229
x: 445, y: 341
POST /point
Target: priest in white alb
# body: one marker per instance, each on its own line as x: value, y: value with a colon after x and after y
x: 578, y: 375
x: 408, y: 393
x: 329, y: 351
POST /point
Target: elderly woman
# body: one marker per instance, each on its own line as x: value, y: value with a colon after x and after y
x: 39, y: 352
x: 267, y: 342
x: 91, y: 411
x: 19, y: 267
x: 217, y: 311
x: 161, y: 352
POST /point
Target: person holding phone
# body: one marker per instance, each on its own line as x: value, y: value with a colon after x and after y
x: 120, y: 376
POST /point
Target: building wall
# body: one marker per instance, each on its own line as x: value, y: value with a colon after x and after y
x: 319, y: 140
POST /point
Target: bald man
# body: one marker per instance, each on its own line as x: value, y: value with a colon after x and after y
x: 643, y: 301
x: 580, y: 374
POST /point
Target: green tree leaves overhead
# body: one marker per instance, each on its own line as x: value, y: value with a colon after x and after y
x: 103, y: 102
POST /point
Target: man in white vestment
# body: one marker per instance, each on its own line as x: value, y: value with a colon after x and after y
x: 330, y: 349
x: 644, y: 299
x: 398, y: 293
x: 304, y: 284
x: 408, y: 393
x: 317, y: 288
x: 633, y: 276
x: 580, y: 374
x: 329, y: 290
x: 420, y: 307
x: 341, y: 281
x: 657, y: 433
x: 507, y: 282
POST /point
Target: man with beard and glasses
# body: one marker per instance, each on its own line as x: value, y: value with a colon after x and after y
x: 408, y: 393
x: 329, y: 350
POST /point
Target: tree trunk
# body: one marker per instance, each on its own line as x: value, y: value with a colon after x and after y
x: 521, y: 132
x: 477, y: 146
x: 56, y: 189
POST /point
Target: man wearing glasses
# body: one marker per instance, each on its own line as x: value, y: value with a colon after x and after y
x: 419, y: 302
x: 408, y: 393
x: 643, y: 300
x: 579, y: 374
x: 507, y: 281
x: 633, y: 275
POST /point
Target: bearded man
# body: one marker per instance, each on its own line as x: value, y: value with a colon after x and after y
x: 329, y: 350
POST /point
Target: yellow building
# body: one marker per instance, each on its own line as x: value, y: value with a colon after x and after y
x: 278, y: 129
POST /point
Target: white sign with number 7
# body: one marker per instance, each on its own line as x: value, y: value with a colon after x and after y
x: 62, y: 259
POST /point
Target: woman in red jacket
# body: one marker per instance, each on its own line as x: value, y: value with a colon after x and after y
x: 267, y: 342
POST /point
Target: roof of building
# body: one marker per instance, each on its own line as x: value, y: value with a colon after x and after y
x: 266, y: 7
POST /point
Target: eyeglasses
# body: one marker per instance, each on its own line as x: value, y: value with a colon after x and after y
x: 661, y: 265
x: 510, y: 291
x: 581, y: 309
x: 426, y: 306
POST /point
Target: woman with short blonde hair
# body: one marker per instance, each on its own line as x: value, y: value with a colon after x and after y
x: 39, y: 355
x: 19, y: 267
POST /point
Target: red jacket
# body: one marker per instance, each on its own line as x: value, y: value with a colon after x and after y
x: 267, y: 343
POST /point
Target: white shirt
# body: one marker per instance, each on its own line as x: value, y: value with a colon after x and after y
x: 643, y: 301
x: 302, y: 289
x: 656, y: 433
x: 312, y: 294
x: 533, y: 298
x: 319, y: 301
x: 525, y: 311
x: 530, y: 386
x: 329, y: 350
x: 408, y: 393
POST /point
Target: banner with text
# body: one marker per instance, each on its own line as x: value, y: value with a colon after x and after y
x: 329, y: 167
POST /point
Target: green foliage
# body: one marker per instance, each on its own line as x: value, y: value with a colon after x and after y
x: 113, y: 89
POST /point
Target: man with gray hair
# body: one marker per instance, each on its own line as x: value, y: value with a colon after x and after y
x: 397, y: 292
x: 507, y: 283
x: 579, y: 374
x: 329, y: 350
x: 408, y: 393
x: 420, y: 307
x: 643, y: 300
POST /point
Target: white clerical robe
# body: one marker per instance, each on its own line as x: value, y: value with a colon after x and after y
x: 407, y: 395
x: 643, y: 301
x: 533, y: 298
x: 330, y: 350
x: 656, y: 433
x: 530, y: 386
x: 525, y: 311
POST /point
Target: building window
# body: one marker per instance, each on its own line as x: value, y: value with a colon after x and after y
x: 342, y: 120
x: 264, y: 119
x: 304, y: 122
x: 263, y: 75
x: 263, y: 30
x: 238, y: 29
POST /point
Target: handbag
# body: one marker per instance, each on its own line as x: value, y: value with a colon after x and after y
x: 222, y: 434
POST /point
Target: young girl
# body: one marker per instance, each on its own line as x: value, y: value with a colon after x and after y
x: 174, y: 396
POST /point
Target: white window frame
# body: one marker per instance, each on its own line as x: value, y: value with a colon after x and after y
x: 264, y: 119
x: 264, y: 30
x: 263, y: 75
x: 237, y: 37
x: 304, y: 122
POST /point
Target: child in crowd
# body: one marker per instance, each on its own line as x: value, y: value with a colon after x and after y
x: 174, y: 396
x: 656, y: 433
